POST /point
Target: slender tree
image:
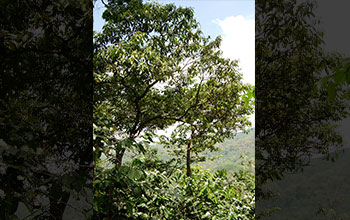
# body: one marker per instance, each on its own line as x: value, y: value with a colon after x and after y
x: 222, y: 105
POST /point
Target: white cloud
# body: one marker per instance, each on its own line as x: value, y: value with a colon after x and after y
x: 239, y: 43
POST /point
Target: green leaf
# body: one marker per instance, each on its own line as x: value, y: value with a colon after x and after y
x: 331, y: 91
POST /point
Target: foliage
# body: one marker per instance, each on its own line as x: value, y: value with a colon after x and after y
x: 132, y: 192
x: 45, y: 117
x: 294, y: 116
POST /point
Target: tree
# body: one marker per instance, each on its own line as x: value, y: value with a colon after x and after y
x: 221, y: 107
x: 141, y: 48
x: 154, y: 67
x: 294, y: 117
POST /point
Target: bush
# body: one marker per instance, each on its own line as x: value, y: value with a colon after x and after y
x: 133, y: 192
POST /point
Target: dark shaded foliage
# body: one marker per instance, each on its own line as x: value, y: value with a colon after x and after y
x: 294, y: 116
x: 45, y: 107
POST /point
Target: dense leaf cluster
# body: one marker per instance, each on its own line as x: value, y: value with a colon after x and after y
x: 133, y: 192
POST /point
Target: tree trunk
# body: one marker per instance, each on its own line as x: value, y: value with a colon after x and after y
x: 188, y: 158
x: 119, y: 157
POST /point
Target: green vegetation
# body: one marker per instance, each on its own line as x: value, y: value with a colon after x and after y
x: 234, y: 154
x: 148, y: 188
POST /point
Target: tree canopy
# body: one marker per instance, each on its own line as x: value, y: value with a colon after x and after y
x: 153, y: 67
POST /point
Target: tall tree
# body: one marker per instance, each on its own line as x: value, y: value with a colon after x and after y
x: 154, y: 67
x: 221, y: 103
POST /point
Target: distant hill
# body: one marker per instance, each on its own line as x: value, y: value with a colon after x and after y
x: 231, y: 152
x: 236, y: 154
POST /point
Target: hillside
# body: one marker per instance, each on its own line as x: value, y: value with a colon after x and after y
x: 322, y: 187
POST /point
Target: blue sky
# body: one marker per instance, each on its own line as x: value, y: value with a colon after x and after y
x: 206, y: 11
